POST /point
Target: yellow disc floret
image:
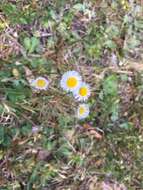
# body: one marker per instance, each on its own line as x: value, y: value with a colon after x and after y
x: 71, y: 82
x: 81, y: 110
x: 83, y: 91
x: 41, y: 83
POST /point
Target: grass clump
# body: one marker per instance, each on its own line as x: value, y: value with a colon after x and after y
x: 43, y: 145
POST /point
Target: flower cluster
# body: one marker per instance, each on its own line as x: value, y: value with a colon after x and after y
x: 72, y: 82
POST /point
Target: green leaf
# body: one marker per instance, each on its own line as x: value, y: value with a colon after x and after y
x: 112, y: 31
x: 110, y: 86
x: 9, y: 8
x: 31, y: 44
x: 110, y: 44
x: 115, y: 111
x: 7, y: 141
x: 79, y: 7
x: 33, y: 176
x: 26, y: 129
x: 1, y: 134
x: 34, y: 44
x: 134, y: 42
x: 126, y: 125
x: 22, y: 20
x: 139, y: 24
x: 27, y: 43
x: 1, y: 109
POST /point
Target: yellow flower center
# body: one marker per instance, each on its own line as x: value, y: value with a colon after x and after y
x: 71, y: 82
x: 41, y: 83
x: 81, y: 110
x: 83, y: 91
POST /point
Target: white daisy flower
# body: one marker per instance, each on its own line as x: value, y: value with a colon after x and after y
x: 40, y: 83
x: 82, y: 111
x: 70, y: 81
x: 83, y: 92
